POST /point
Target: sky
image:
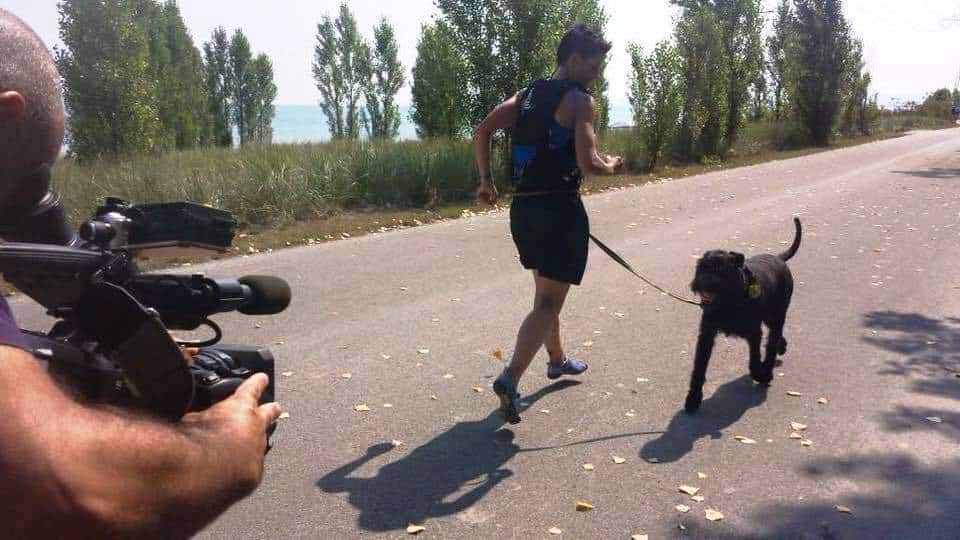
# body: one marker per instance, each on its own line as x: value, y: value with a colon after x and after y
x: 911, y: 48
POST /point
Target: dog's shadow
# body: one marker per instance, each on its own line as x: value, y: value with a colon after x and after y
x: 718, y: 412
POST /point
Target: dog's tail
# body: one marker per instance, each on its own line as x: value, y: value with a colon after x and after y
x: 788, y: 254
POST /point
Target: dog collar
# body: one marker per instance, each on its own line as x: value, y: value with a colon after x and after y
x: 752, y: 287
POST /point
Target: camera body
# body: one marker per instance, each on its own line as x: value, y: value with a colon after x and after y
x: 110, y: 342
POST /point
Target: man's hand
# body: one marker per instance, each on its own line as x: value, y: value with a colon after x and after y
x: 238, y: 424
x: 615, y: 163
x: 487, y: 193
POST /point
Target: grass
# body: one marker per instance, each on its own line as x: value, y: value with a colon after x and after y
x: 287, y: 195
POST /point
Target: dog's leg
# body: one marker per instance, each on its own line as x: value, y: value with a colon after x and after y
x: 782, y: 347
x: 775, y: 343
x: 701, y: 359
x: 757, y: 371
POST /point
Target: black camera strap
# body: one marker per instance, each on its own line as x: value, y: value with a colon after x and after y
x: 139, y: 343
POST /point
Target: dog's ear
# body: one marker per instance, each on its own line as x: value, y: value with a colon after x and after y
x: 738, y: 259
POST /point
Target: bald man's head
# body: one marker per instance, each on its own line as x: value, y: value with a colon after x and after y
x: 31, y: 107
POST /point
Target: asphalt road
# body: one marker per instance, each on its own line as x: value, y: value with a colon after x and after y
x: 414, y: 316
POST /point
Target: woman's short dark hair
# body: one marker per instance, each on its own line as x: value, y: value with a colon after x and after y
x: 584, y: 40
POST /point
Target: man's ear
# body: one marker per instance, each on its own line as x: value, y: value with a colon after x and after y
x: 12, y: 107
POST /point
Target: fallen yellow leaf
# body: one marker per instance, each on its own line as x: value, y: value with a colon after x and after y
x: 385, y: 356
x: 745, y: 440
x: 555, y: 531
x: 713, y: 515
x: 698, y: 498
x: 794, y: 394
x: 477, y: 389
x: 498, y: 354
x: 806, y: 442
x: 588, y: 344
x: 434, y: 398
x: 347, y: 376
x: 796, y: 436
x: 423, y: 351
x: 682, y: 508
x: 415, y: 529
x: 823, y: 401
x: 843, y: 509
x: 584, y: 506
x: 701, y: 476
x: 545, y: 411
x: 388, y: 405
x: 287, y: 373
x: 689, y: 490
x: 639, y: 537
x: 588, y: 466
x: 618, y: 460
x: 361, y: 408
x: 935, y: 419
x: 448, y: 376
x: 797, y: 426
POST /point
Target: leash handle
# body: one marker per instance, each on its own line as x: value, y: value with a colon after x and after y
x: 613, y: 255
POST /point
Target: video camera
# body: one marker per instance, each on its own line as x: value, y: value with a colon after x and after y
x: 110, y: 341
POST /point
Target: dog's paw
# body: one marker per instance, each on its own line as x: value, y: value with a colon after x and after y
x: 692, y: 405
x: 762, y: 375
x: 782, y: 347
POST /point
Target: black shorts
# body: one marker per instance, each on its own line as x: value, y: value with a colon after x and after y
x: 552, y: 234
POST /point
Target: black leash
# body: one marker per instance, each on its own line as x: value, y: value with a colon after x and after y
x: 613, y: 255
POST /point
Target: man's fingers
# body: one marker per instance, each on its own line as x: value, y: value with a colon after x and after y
x: 252, y: 388
x: 269, y: 412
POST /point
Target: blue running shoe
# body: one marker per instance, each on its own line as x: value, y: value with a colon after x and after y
x: 506, y: 390
x: 568, y: 367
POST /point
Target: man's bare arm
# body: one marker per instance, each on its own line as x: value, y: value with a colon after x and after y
x: 588, y: 159
x: 504, y: 116
x: 67, y: 468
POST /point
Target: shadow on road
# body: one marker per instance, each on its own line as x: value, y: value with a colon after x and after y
x: 444, y: 476
x: 907, y: 500
x: 928, y: 353
x: 935, y: 172
x: 718, y: 412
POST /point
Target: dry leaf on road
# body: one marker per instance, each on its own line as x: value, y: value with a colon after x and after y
x: 806, y: 442
x: 713, y: 515
x: 689, y: 490
x: 639, y: 537
x: 361, y: 408
x: 796, y: 435
x: 698, y: 498
x: 843, y: 509
x: 415, y: 529
x: 588, y: 466
x: 682, y: 508
x: 618, y: 460
x: 701, y: 475
x: 797, y: 426
x: 287, y: 373
x: 498, y: 354
x: 823, y: 401
x: 346, y: 376
x: 794, y: 394
x: 423, y: 351
x: 935, y: 419
x: 556, y: 531
x: 745, y: 440
x: 477, y: 389
x: 584, y: 506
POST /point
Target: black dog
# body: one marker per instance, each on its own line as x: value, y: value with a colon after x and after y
x: 738, y: 295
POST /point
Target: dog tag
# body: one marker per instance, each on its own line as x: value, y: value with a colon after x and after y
x: 755, y: 291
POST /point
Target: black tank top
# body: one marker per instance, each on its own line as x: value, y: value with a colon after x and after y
x: 544, y: 152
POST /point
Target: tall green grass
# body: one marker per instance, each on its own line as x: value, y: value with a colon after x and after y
x: 269, y: 185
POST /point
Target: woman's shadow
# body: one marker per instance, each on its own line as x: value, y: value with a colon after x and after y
x: 467, y: 458
x: 720, y: 411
